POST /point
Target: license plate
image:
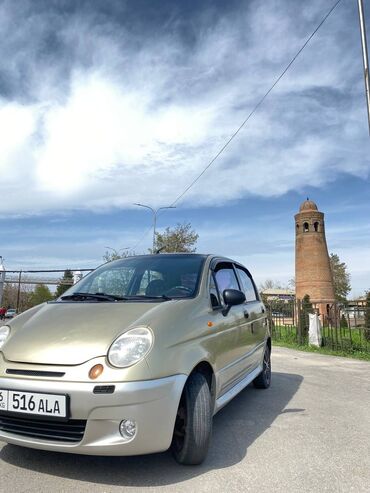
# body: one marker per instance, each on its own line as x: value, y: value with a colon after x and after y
x: 33, y: 403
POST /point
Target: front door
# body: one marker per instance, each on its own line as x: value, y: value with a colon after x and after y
x: 230, y: 354
x: 253, y: 334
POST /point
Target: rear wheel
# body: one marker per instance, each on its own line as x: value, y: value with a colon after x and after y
x: 263, y: 380
x: 193, y: 424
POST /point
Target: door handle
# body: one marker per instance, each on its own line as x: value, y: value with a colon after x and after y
x: 246, y: 314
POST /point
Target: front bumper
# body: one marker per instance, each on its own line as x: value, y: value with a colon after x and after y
x: 152, y: 404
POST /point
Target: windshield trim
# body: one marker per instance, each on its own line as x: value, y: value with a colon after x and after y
x: 150, y: 300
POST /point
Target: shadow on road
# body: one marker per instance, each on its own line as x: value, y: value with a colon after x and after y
x: 235, y: 428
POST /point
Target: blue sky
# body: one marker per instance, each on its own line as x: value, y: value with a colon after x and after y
x: 103, y: 104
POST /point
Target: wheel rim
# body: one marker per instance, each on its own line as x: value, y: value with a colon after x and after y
x: 267, y: 366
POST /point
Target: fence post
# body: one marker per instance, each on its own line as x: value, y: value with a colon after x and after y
x: 336, y: 315
x: 299, y: 321
x: 19, y: 290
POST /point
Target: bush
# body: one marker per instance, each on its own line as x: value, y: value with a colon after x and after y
x: 306, y: 309
x: 367, y: 317
x: 343, y: 322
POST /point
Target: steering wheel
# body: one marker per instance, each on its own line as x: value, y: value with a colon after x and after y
x: 181, y: 288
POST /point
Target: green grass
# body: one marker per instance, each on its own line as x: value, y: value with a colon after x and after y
x: 352, y: 342
x: 357, y: 354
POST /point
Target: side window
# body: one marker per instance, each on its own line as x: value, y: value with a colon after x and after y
x: 215, y: 299
x: 225, y: 278
x: 247, y: 285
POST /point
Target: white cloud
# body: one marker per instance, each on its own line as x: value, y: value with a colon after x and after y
x: 17, y: 124
x: 138, y: 124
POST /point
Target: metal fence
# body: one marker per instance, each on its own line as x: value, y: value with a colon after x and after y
x: 344, y: 326
x: 18, y: 284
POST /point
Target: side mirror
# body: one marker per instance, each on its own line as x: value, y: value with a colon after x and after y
x: 232, y: 297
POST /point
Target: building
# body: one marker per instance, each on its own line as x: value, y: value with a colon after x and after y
x: 274, y: 294
x: 313, y: 274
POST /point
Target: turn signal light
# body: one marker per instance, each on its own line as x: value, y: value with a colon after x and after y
x: 96, y: 371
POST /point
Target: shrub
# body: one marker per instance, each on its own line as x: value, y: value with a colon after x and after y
x: 367, y: 317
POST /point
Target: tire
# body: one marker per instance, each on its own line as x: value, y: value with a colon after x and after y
x: 263, y: 380
x: 193, y: 425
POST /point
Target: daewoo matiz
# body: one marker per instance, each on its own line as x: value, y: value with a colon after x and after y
x: 135, y: 358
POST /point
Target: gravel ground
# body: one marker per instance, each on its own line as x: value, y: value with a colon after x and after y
x: 310, y: 432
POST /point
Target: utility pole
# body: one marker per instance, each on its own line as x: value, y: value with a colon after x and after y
x: 2, y: 280
x: 155, y: 212
x: 361, y: 15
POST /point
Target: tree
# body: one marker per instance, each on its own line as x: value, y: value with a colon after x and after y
x: 182, y: 238
x: 65, y: 283
x: 40, y: 294
x: 367, y: 317
x: 17, y: 296
x: 306, y: 309
x: 270, y: 284
x: 341, y: 278
x: 115, y: 255
x: 343, y: 322
x: 277, y: 304
x: 291, y: 284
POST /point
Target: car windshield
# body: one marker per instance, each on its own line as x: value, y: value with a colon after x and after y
x: 148, y: 277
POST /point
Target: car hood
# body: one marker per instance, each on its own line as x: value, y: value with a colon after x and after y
x: 72, y: 333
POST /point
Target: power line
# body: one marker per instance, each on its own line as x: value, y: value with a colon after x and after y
x: 142, y: 238
x: 255, y: 108
x: 259, y: 103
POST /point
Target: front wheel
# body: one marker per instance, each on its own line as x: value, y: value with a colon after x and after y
x: 193, y: 424
x: 263, y: 380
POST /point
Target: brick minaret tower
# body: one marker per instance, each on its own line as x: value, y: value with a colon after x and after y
x: 312, y: 266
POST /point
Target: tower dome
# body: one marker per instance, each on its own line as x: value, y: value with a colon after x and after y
x: 308, y: 205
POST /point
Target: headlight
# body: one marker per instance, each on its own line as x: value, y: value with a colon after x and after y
x: 130, y: 347
x: 4, y: 332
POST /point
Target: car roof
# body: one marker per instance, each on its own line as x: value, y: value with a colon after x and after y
x: 169, y: 255
x: 213, y: 258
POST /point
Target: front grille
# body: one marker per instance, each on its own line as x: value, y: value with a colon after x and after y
x: 63, y: 431
x: 35, y: 373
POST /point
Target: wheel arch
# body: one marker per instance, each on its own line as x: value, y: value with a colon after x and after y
x: 205, y: 368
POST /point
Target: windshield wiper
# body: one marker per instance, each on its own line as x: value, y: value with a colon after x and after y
x: 162, y: 297
x: 94, y: 296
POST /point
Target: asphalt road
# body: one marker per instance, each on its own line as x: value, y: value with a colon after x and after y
x: 310, y: 432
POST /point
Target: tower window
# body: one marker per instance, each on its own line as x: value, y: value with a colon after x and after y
x: 297, y: 226
x: 316, y: 226
x: 306, y: 227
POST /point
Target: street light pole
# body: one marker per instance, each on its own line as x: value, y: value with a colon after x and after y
x: 361, y: 15
x: 155, y: 212
x: 116, y: 252
x: 119, y: 250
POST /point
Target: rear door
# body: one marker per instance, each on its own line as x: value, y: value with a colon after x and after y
x: 252, y: 335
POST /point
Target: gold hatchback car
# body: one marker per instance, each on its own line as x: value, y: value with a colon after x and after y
x: 135, y: 358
